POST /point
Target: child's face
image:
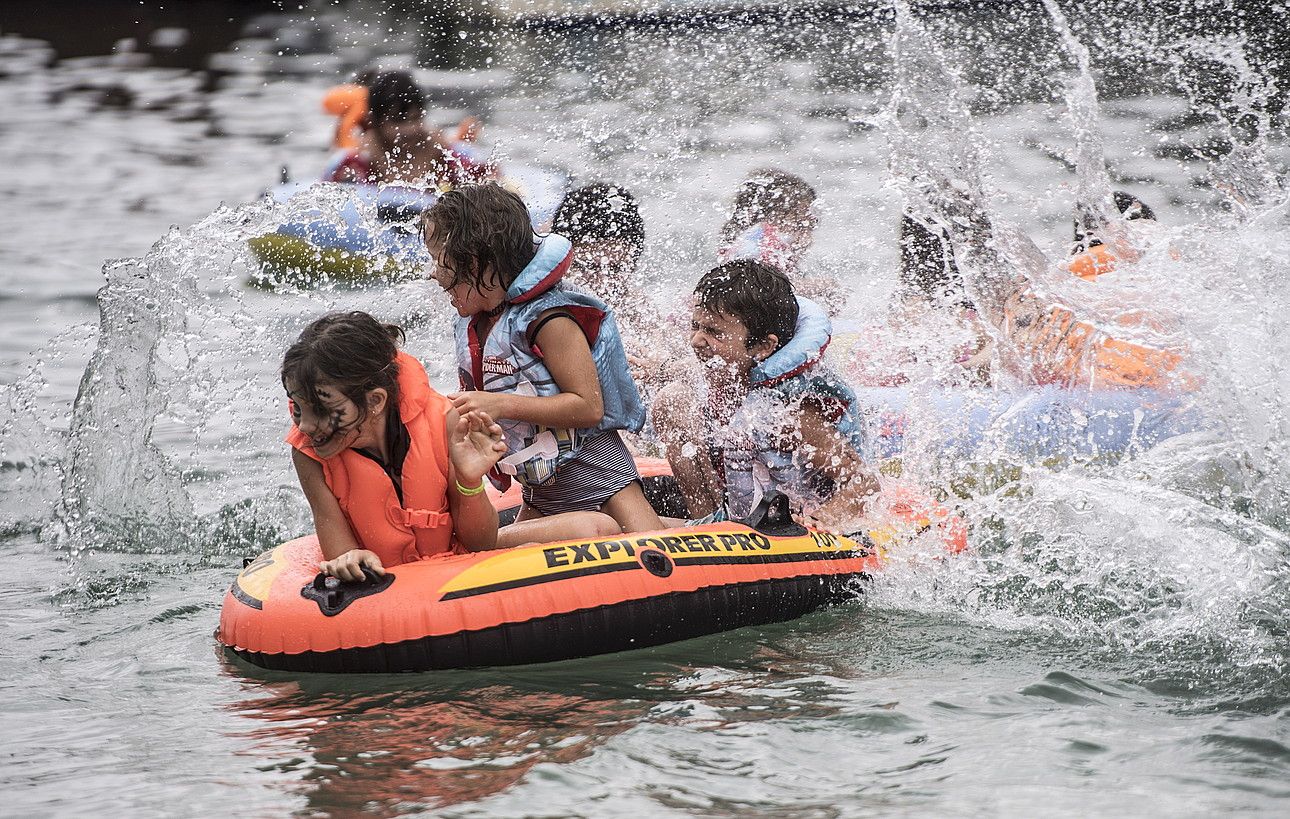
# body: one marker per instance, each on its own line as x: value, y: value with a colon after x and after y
x: 468, y: 299
x: 330, y: 432
x: 603, y: 267
x: 800, y: 228
x: 721, y: 339
x: 596, y: 257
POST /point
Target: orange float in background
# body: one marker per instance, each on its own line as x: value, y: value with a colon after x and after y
x: 1094, y: 262
x: 348, y: 103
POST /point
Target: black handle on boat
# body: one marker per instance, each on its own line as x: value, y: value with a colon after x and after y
x: 334, y: 596
x: 320, y: 579
x: 773, y: 516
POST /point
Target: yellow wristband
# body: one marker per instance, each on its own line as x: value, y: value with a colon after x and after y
x: 473, y: 491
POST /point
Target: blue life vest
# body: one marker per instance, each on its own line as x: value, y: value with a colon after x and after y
x: 509, y: 361
x: 761, y: 449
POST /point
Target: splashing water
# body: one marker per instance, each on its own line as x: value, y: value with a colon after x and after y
x: 1184, y: 544
x: 199, y: 461
x: 1244, y: 174
x: 1141, y: 592
x: 161, y: 397
x: 117, y: 480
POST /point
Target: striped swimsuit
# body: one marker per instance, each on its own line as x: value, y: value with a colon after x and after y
x: 601, y: 469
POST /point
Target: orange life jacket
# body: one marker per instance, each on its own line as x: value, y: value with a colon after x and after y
x: 420, y: 527
x: 1093, y: 262
x: 348, y: 103
x: 1072, y: 353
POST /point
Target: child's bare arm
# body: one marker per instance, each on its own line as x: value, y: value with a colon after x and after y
x: 568, y: 356
x: 677, y: 414
x: 830, y: 453
x: 343, y: 556
x: 475, y: 444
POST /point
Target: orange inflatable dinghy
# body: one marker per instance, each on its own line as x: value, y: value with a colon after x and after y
x: 557, y: 601
x: 537, y: 603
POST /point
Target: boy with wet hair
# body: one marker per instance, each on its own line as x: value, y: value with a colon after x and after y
x: 774, y: 417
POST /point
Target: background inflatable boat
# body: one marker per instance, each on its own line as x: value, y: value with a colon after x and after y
x: 354, y: 235
x: 1035, y: 424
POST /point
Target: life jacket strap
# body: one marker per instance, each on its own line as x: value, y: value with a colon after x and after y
x: 424, y: 518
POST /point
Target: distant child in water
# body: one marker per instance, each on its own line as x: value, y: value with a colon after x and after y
x: 932, y: 333
x: 603, y: 222
x: 544, y: 359
x: 392, y: 472
x: 396, y: 145
x: 1099, y: 248
x: 773, y: 222
x: 770, y: 416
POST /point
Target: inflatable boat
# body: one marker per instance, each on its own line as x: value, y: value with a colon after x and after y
x: 354, y: 235
x: 1036, y: 424
x: 558, y: 601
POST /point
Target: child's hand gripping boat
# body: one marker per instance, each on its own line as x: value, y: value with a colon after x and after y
x: 552, y: 601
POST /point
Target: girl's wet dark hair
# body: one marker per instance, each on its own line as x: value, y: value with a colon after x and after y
x: 927, y: 267
x: 757, y: 294
x: 601, y: 212
x: 767, y: 195
x: 393, y: 96
x: 485, y: 232
x: 352, y: 352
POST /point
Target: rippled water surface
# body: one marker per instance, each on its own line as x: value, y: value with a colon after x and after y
x: 1114, y: 642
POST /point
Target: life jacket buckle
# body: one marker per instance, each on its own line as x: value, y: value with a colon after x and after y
x: 424, y: 518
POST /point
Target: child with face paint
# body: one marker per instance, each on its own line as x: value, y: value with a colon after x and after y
x: 392, y: 472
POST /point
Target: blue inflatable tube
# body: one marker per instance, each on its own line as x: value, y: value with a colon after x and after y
x: 360, y: 234
x: 1037, y: 424
x: 372, y: 221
